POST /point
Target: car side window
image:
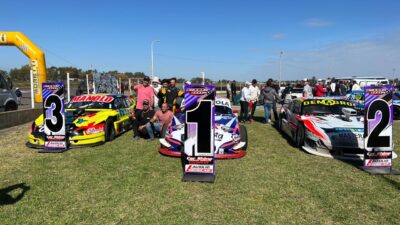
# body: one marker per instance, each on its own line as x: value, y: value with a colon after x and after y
x: 127, y: 103
x: 118, y: 103
x: 297, y: 107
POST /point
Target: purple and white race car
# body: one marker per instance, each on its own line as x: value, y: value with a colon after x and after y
x: 230, y: 137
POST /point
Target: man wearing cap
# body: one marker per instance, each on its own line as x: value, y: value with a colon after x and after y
x: 143, y: 91
x: 160, y: 119
x: 254, y: 94
x: 155, y: 83
x: 269, y: 95
x: 307, y: 90
x: 163, y: 92
x: 244, y: 102
x: 319, y: 89
x: 139, y: 122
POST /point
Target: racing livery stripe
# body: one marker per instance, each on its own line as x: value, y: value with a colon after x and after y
x: 310, y: 126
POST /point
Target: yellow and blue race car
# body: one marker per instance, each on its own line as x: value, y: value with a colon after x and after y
x: 89, y: 120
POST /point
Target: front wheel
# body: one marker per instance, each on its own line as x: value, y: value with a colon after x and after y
x: 243, y: 136
x: 300, y: 136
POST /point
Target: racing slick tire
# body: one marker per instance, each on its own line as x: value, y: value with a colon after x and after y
x: 280, y: 122
x: 109, y: 130
x: 10, y: 106
x: 300, y: 134
x: 243, y: 136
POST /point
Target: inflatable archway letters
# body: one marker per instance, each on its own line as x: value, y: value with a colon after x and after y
x: 35, y: 55
x: 199, y: 154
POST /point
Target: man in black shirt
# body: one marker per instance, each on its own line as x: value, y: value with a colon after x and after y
x: 233, y: 90
x: 172, y: 94
x: 139, y: 123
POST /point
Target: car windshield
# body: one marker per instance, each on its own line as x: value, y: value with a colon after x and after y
x: 325, y: 106
x: 219, y: 109
x: 396, y: 96
x: 89, y: 105
x: 297, y: 90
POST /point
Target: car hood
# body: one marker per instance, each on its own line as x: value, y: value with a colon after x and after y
x: 337, y: 121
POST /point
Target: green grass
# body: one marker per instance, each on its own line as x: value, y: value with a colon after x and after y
x: 124, y: 182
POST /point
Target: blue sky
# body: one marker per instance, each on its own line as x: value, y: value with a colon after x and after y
x: 226, y: 39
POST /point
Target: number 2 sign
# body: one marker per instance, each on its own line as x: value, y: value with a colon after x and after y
x: 53, y: 117
x: 378, y: 127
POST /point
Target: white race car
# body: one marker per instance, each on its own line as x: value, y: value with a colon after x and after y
x: 230, y: 137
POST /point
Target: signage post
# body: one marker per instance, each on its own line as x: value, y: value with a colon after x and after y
x: 55, y: 139
x: 198, y: 156
x: 378, y: 130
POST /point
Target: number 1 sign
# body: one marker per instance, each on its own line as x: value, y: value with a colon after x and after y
x: 53, y: 117
x: 198, y: 157
x: 378, y: 129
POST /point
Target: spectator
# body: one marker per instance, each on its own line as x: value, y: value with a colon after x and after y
x: 233, y: 91
x: 269, y: 95
x: 155, y: 83
x: 143, y: 91
x: 18, y: 93
x: 254, y: 94
x: 163, y: 92
x: 355, y: 86
x: 342, y: 88
x: 307, y: 90
x: 228, y: 90
x: 275, y: 85
x: 244, y: 102
x: 160, y: 119
x: 334, y: 90
x: 172, y: 94
x: 79, y: 91
x: 319, y: 89
x: 9, y: 83
x: 139, y: 123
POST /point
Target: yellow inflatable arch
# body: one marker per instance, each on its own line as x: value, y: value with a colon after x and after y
x: 35, y: 55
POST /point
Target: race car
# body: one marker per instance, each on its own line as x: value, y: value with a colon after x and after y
x: 325, y: 127
x: 89, y: 120
x: 230, y: 137
x: 396, y: 105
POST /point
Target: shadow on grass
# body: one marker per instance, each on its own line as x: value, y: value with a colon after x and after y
x: 5, y: 193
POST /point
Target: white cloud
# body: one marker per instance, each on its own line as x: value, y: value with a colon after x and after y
x: 315, y: 22
x: 367, y: 57
x: 278, y: 36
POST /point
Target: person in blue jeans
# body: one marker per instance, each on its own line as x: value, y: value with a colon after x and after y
x: 161, y: 118
x: 269, y: 96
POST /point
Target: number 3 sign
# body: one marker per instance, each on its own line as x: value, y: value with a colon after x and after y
x: 53, y: 117
x: 378, y: 129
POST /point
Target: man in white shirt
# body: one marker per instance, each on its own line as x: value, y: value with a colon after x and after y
x: 307, y: 90
x: 228, y: 90
x: 244, y: 102
x: 155, y: 83
x: 355, y: 86
x: 254, y: 95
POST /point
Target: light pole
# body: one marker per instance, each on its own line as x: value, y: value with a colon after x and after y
x: 152, y: 57
x: 280, y: 68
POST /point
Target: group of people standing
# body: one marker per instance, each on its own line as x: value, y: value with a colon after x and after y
x: 251, y: 95
x: 331, y: 88
x: 155, y: 104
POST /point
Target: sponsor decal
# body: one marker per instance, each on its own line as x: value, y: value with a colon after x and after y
x: 379, y: 155
x: 197, y: 91
x: 378, y: 91
x: 222, y: 102
x: 95, y: 130
x: 93, y: 98
x: 55, y: 144
x: 199, y: 160
x: 378, y: 162
x: 56, y: 138
x: 218, y: 136
x: 196, y: 168
x: 35, y: 74
x: 328, y: 102
x: 80, y: 120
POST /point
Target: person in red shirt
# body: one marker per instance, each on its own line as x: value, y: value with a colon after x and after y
x: 160, y: 119
x: 319, y: 89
